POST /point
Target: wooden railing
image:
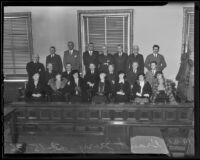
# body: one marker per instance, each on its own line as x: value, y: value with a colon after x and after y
x: 60, y: 118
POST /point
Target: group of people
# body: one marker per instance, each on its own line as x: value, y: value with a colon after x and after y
x: 108, y: 78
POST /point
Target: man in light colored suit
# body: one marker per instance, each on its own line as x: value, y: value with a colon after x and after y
x: 155, y: 56
x: 150, y: 75
x: 72, y: 56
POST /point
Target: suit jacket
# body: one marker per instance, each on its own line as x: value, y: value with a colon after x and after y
x: 56, y: 62
x: 124, y: 87
x: 150, y: 77
x: 120, y: 62
x: 111, y: 77
x: 49, y: 76
x: 74, y: 59
x: 132, y: 77
x: 31, y: 88
x: 104, y: 61
x: 33, y: 68
x: 138, y: 58
x: 93, y: 78
x: 107, y: 88
x: 81, y: 85
x: 145, y: 90
x: 67, y: 76
x: 87, y: 59
x: 161, y: 64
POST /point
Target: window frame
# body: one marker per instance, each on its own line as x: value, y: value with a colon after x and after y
x: 186, y: 12
x: 80, y: 23
x: 30, y: 37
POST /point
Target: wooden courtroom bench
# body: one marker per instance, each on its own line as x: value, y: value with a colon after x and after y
x: 61, y: 118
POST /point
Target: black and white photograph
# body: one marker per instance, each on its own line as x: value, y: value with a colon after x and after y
x: 99, y: 80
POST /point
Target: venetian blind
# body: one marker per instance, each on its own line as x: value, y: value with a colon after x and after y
x: 17, y: 43
x: 109, y: 30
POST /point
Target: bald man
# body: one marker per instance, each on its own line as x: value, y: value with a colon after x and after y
x: 135, y: 56
x: 72, y: 56
x: 105, y: 59
x: 120, y: 59
x: 35, y: 67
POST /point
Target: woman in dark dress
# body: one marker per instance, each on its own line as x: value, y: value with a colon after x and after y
x: 35, y: 90
x: 58, y: 87
x: 103, y: 89
x: 78, y: 93
x: 122, y: 88
x: 141, y: 90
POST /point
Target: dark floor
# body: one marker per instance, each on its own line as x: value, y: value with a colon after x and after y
x: 179, y: 143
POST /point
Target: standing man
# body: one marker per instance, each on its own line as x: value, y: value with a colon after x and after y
x: 105, y: 60
x: 55, y: 60
x: 120, y: 60
x: 72, y: 56
x: 155, y: 56
x: 136, y: 57
x: 35, y: 67
x: 90, y: 56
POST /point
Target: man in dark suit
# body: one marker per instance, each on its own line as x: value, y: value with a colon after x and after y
x: 55, y: 60
x: 105, y: 59
x: 68, y: 72
x: 72, y: 56
x: 90, y: 56
x: 91, y: 78
x: 120, y: 60
x: 136, y: 57
x: 35, y: 67
x: 155, y: 56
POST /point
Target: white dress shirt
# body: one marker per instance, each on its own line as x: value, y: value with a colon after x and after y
x: 155, y: 55
x: 121, y: 81
x: 141, y: 86
x: 52, y: 55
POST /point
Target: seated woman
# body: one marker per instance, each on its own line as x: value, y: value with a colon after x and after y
x: 77, y: 93
x: 122, y: 88
x: 162, y: 89
x: 91, y: 79
x: 103, y: 89
x: 35, y: 89
x: 141, y: 90
x: 58, y: 88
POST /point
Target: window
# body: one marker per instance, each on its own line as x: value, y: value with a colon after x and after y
x: 17, y: 43
x: 110, y: 27
x: 188, y: 29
